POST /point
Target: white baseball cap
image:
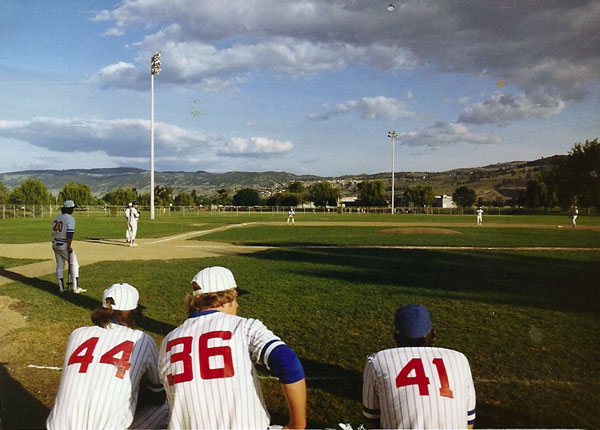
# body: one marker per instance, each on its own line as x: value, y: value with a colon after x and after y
x: 68, y: 204
x: 212, y: 280
x: 130, y: 204
x: 125, y: 297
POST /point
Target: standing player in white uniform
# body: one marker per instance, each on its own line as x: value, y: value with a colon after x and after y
x: 134, y: 214
x: 107, y: 367
x: 291, y: 214
x: 63, y: 230
x: 127, y: 224
x: 417, y: 386
x: 207, y: 363
x: 574, y: 216
x: 479, y: 212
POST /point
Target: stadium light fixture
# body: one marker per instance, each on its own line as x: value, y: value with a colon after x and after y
x: 393, y: 135
x: 154, y: 70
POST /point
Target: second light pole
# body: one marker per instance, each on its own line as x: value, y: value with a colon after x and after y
x: 393, y: 135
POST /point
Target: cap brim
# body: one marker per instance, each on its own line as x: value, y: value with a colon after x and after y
x: 241, y: 291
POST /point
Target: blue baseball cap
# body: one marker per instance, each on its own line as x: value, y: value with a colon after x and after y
x: 412, y: 321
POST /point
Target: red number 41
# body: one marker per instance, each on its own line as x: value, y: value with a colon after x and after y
x: 421, y: 380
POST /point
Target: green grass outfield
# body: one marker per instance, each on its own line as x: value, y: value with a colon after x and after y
x: 527, y: 319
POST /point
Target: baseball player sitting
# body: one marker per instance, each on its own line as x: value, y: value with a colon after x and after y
x: 109, y: 370
x: 207, y: 363
x: 417, y: 386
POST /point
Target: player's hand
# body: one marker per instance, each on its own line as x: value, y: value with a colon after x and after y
x: 70, y: 249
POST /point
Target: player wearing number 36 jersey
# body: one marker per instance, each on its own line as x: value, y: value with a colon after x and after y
x: 107, y: 369
x: 207, y: 363
x: 417, y: 386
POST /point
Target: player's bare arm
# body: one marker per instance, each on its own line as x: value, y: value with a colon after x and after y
x: 295, y: 395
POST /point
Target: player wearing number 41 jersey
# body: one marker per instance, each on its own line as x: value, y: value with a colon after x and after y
x: 207, y: 363
x: 110, y: 370
x: 417, y: 386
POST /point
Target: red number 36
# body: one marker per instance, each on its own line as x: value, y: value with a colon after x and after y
x: 204, y: 354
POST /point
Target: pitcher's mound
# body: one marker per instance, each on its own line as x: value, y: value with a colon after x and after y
x: 418, y: 230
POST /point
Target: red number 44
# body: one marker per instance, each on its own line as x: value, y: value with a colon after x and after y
x: 421, y: 380
x: 84, y: 355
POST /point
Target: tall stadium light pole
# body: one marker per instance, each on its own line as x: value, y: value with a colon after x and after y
x: 154, y: 70
x: 393, y: 135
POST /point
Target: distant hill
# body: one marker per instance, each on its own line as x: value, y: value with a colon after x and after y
x: 502, y: 180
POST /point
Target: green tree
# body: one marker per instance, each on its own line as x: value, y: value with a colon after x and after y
x: 296, y: 187
x: 4, y: 194
x: 31, y: 192
x: 371, y: 193
x: 464, y: 197
x: 323, y: 194
x: 289, y: 199
x: 121, y: 196
x: 222, y: 197
x: 246, y: 197
x: 578, y: 176
x: 420, y: 195
x: 541, y: 192
x: 81, y: 194
x: 184, y: 199
x: 163, y: 196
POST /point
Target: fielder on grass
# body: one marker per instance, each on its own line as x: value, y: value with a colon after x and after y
x: 134, y: 214
x: 207, y: 363
x: 417, y: 386
x: 63, y: 230
x: 109, y: 370
x: 127, y: 223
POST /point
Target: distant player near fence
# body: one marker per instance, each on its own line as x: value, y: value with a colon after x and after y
x: 110, y: 372
x: 417, y: 386
x: 63, y: 230
x: 291, y: 215
x: 127, y: 223
x: 207, y: 363
x: 479, y: 212
x: 574, y: 216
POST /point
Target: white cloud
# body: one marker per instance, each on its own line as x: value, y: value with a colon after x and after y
x: 507, y: 108
x: 370, y: 108
x: 114, y: 32
x: 308, y: 37
x: 255, y: 147
x: 128, y: 139
x: 443, y: 134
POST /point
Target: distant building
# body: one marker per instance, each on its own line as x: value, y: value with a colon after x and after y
x: 444, y: 201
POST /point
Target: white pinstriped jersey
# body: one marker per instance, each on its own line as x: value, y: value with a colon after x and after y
x: 419, y: 387
x: 101, y: 375
x: 63, y: 224
x: 207, y: 368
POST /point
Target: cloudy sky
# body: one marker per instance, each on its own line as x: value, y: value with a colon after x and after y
x: 303, y: 86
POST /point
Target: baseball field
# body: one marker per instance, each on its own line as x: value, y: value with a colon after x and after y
x: 519, y: 296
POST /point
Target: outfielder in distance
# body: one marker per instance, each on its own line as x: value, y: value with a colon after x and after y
x: 479, y: 212
x: 417, y: 386
x: 63, y: 230
x: 109, y: 370
x: 207, y: 363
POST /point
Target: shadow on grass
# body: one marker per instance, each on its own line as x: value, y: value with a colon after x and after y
x: 19, y: 409
x: 509, y: 278
x: 84, y: 301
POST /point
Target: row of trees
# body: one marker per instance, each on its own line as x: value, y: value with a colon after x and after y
x: 574, y: 179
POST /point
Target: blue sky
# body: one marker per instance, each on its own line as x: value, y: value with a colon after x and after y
x: 304, y: 86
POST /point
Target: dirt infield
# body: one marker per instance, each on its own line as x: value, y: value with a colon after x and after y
x: 95, y: 250
x: 173, y: 247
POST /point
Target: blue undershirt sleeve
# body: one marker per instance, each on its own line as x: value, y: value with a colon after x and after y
x: 285, y: 365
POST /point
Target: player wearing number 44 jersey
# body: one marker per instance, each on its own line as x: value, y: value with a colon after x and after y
x: 417, y: 386
x: 207, y: 363
x: 109, y: 370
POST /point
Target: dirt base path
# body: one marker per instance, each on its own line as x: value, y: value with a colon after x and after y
x: 94, y: 250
